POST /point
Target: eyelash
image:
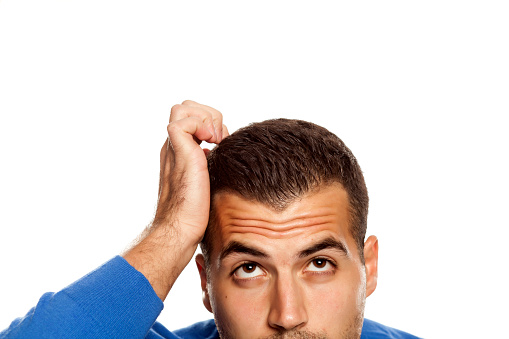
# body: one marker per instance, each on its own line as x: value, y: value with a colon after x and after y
x: 244, y: 264
x: 328, y: 261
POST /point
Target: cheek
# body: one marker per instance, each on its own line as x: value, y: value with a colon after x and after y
x: 238, y: 308
x: 344, y: 302
x: 339, y: 299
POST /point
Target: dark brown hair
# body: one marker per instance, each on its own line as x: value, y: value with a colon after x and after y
x: 276, y: 161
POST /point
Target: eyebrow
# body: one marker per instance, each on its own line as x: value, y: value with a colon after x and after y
x: 327, y: 243
x: 235, y: 247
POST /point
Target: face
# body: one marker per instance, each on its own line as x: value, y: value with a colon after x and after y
x: 290, y: 274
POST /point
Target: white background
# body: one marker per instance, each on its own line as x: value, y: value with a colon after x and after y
x: 418, y: 91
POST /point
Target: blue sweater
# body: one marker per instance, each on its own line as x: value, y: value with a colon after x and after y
x: 117, y: 301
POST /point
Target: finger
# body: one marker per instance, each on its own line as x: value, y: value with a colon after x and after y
x: 225, y: 132
x: 183, y: 132
x: 205, y: 107
x: 217, y: 117
x: 179, y: 112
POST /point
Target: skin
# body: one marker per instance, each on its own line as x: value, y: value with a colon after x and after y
x: 277, y: 269
x: 167, y: 245
x: 286, y: 298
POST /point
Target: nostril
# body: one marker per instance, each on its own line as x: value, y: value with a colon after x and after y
x: 287, y: 308
x: 287, y: 322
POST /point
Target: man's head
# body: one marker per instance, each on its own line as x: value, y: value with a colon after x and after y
x: 287, y: 225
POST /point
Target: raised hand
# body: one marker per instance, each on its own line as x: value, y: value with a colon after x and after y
x: 169, y: 243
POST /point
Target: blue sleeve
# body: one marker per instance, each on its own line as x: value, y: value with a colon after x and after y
x: 373, y: 330
x: 114, y: 301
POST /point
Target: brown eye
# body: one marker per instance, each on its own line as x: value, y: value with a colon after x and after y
x: 249, y: 268
x: 319, y: 263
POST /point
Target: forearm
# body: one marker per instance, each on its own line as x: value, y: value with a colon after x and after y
x: 161, y: 256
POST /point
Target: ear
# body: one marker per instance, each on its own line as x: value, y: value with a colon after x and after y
x: 200, y: 263
x: 371, y: 264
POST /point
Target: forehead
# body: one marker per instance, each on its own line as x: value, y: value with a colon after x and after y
x: 323, y: 212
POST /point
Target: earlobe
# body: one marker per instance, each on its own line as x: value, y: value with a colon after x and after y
x: 200, y: 263
x: 371, y: 264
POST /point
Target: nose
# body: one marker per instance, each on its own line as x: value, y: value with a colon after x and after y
x: 287, y: 309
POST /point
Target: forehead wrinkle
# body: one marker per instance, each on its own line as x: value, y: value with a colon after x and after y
x: 234, y: 207
x: 279, y: 227
x: 236, y: 217
x: 269, y: 232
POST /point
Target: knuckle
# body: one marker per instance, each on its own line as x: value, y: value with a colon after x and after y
x: 188, y: 102
x: 208, y: 119
x: 172, y: 128
x: 175, y: 109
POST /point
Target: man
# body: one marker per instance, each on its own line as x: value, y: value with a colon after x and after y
x: 281, y: 220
